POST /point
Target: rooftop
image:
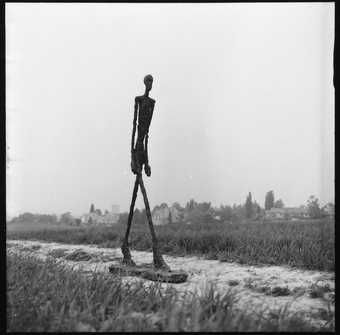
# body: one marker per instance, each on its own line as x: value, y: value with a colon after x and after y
x: 292, y: 210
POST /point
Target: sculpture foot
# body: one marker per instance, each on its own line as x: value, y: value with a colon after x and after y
x: 160, y: 264
x: 127, y: 259
x: 128, y: 262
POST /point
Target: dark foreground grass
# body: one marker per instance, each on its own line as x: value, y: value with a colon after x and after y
x: 46, y: 296
x: 308, y: 245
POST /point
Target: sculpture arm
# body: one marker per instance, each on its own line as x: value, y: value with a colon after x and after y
x: 146, y: 147
x: 147, y: 138
x: 134, y: 125
x: 147, y: 167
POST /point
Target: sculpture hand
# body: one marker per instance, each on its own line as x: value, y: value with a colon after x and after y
x: 147, y: 170
x: 133, y: 163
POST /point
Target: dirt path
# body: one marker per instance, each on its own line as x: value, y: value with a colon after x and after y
x: 260, y: 288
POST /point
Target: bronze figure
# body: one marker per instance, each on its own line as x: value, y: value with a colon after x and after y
x: 144, y: 107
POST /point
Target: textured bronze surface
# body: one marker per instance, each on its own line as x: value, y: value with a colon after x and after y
x: 143, y: 111
x: 149, y: 272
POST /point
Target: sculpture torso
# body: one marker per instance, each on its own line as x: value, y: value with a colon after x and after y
x: 145, y: 111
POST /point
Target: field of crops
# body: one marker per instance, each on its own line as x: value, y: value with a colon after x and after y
x: 308, y: 245
x: 58, y: 299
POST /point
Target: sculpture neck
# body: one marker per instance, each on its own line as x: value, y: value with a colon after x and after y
x: 146, y: 94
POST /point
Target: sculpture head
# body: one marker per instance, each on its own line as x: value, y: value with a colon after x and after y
x: 148, y: 82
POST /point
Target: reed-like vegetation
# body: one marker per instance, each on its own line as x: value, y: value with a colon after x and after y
x: 308, y: 245
x: 48, y: 297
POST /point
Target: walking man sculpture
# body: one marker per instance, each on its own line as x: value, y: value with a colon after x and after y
x: 144, y: 106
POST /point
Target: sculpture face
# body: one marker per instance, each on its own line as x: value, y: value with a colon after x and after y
x: 148, y: 82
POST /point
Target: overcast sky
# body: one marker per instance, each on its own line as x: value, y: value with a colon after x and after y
x: 244, y: 103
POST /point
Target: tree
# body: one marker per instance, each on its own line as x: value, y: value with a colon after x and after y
x: 123, y: 218
x: 136, y: 215
x: 66, y: 218
x: 238, y: 213
x: 327, y: 210
x: 143, y: 217
x: 46, y: 218
x: 249, y: 206
x: 139, y: 216
x: 170, y: 218
x: 92, y: 208
x: 225, y: 212
x: 199, y: 212
x: 27, y: 217
x: 36, y: 218
x: 191, y: 205
x: 278, y: 204
x: 197, y: 216
x: 204, y: 206
x: 98, y: 211
x: 177, y: 206
x: 256, y: 208
x: 269, y: 200
x: 313, y: 207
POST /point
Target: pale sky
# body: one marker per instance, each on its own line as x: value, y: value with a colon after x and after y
x: 244, y: 103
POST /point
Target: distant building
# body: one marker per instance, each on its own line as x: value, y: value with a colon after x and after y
x: 94, y: 218
x: 115, y: 209
x: 110, y: 218
x: 329, y: 210
x: 163, y: 214
x: 90, y: 218
x: 287, y: 213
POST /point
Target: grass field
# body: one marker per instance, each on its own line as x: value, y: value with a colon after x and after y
x: 308, y: 245
x: 58, y: 299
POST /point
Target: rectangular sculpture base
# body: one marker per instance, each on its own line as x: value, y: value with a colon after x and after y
x: 147, y: 271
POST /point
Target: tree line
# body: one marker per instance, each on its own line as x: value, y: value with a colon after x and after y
x: 65, y: 219
x: 195, y: 212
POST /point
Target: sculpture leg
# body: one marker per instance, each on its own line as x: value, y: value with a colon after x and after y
x: 157, y: 257
x: 125, y: 246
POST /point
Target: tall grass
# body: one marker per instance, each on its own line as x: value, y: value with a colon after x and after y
x: 46, y: 296
x: 307, y: 245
